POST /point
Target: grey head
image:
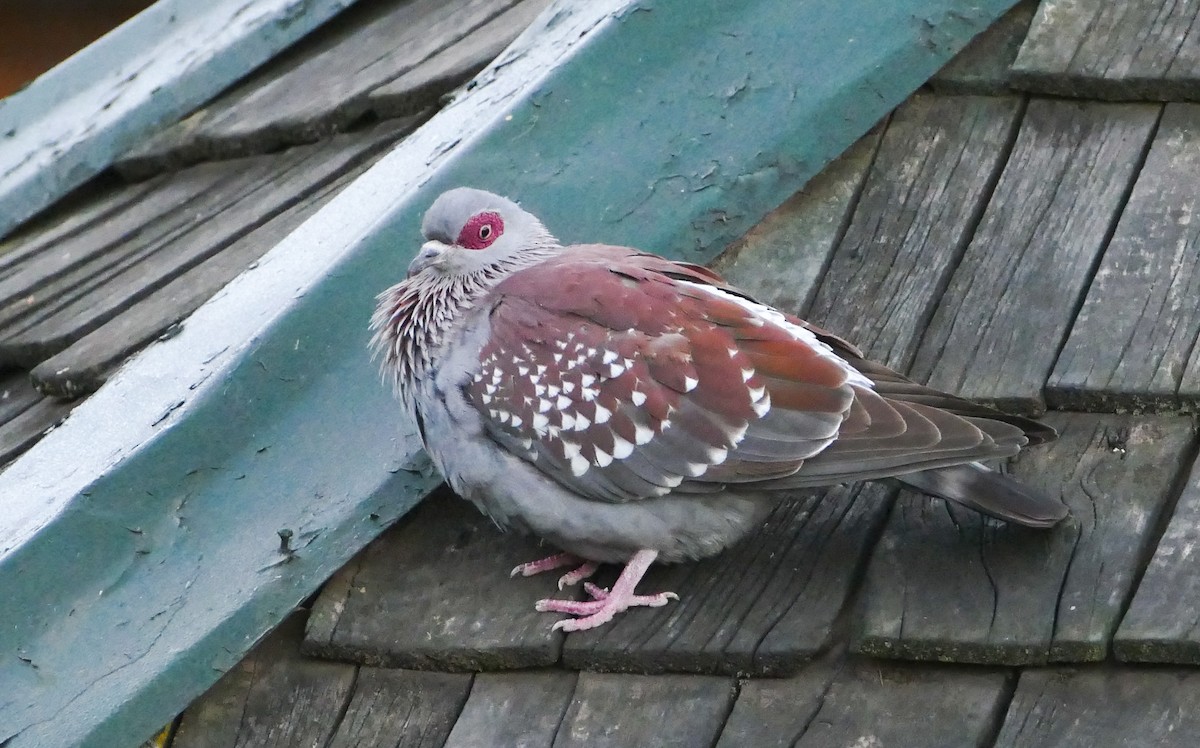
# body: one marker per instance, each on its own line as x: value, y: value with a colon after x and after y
x: 468, y: 231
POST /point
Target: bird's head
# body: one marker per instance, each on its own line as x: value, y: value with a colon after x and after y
x: 468, y: 231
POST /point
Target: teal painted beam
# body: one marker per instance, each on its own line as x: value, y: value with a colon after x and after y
x: 72, y: 122
x: 135, y: 577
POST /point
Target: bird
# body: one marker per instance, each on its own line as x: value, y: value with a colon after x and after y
x: 630, y: 409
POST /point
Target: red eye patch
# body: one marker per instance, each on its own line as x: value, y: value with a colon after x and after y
x: 481, y: 230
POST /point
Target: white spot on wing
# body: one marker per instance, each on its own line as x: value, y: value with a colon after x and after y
x: 639, y: 398
x: 762, y: 314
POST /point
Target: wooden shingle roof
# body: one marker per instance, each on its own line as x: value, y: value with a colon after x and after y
x: 1019, y: 231
x: 1032, y: 251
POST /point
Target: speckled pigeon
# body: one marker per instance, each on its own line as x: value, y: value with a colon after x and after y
x: 627, y: 408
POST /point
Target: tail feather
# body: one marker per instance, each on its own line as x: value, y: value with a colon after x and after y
x: 992, y: 493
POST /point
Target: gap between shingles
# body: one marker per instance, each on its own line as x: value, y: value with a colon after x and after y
x: 1109, y: 232
x: 805, y: 309
x: 970, y: 229
x: 566, y: 707
x: 737, y: 692
x: 1191, y: 458
x: 344, y: 707
x: 839, y: 629
x: 996, y: 719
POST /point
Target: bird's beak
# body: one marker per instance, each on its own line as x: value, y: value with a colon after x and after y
x: 431, y: 253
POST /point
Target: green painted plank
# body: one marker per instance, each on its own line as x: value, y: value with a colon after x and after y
x: 75, y: 120
x: 157, y: 554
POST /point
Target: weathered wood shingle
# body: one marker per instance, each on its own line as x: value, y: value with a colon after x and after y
x: 765, y: 606
x: 931, y: 179
x: 1010, y: 302
x: 325, y: 84
x: 869, y: 704
x: 1130, y: 344
x: 454, y: 607
x: 1134, y: 49
x: 1163, y: 622
x: 947, y: 584
x: 1129, y: 707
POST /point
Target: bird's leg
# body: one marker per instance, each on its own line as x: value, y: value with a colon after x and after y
x: 607, y: 603
x: 585, y: 569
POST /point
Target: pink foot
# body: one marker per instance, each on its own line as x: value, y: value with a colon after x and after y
x: 558, y: 560
x: 605, y: 603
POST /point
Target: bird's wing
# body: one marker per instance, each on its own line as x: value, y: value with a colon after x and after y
x: 624, y: 375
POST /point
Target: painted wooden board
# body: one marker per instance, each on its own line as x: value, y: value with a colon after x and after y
x: 1163, y: 622
x: 946, y: 584
x: 672, y: 711
x: 765, y: 606
x: 86, y: 363
x: 401, y: 708
x: 985, y: 65
x: 1130, y: 343
x: 1136, y: 49
x: 1010, y: 302
x: 865, y: 703
x: 73, y: 121
x: 454, y: 607
x: 323, y: 85
x: 274, y: 697
x: 781, y: 259
x: 514, y: 709
x: 1129, y: 707
x: 931, y: 177
x: 424, y: 84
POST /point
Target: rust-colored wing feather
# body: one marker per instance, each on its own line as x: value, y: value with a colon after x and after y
x: 624, y: 375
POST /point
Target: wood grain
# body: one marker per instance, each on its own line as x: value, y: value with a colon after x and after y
x: 926, y: 189
x: 660, y: 710
x: 453, y: 608
x: 1135, y: 49
x: 523, y: 710
x: 274, y: 697
x: 1130, y: 343
x: 1163, y: 622
x: 984, y: 67
x: 319, y: 87
x: 1128, y: 707
x: 1010, y: 302
x: 782, y: 258
x: 947, y: 584
x: 864, y: 703
x: 401, y: 708
x: 765, y: 606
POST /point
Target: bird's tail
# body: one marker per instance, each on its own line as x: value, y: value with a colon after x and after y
x: 990, y: 492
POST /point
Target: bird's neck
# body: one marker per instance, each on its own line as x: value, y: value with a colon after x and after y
x: 415, y: 318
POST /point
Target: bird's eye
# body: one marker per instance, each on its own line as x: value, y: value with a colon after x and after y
x: 481, y: 230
